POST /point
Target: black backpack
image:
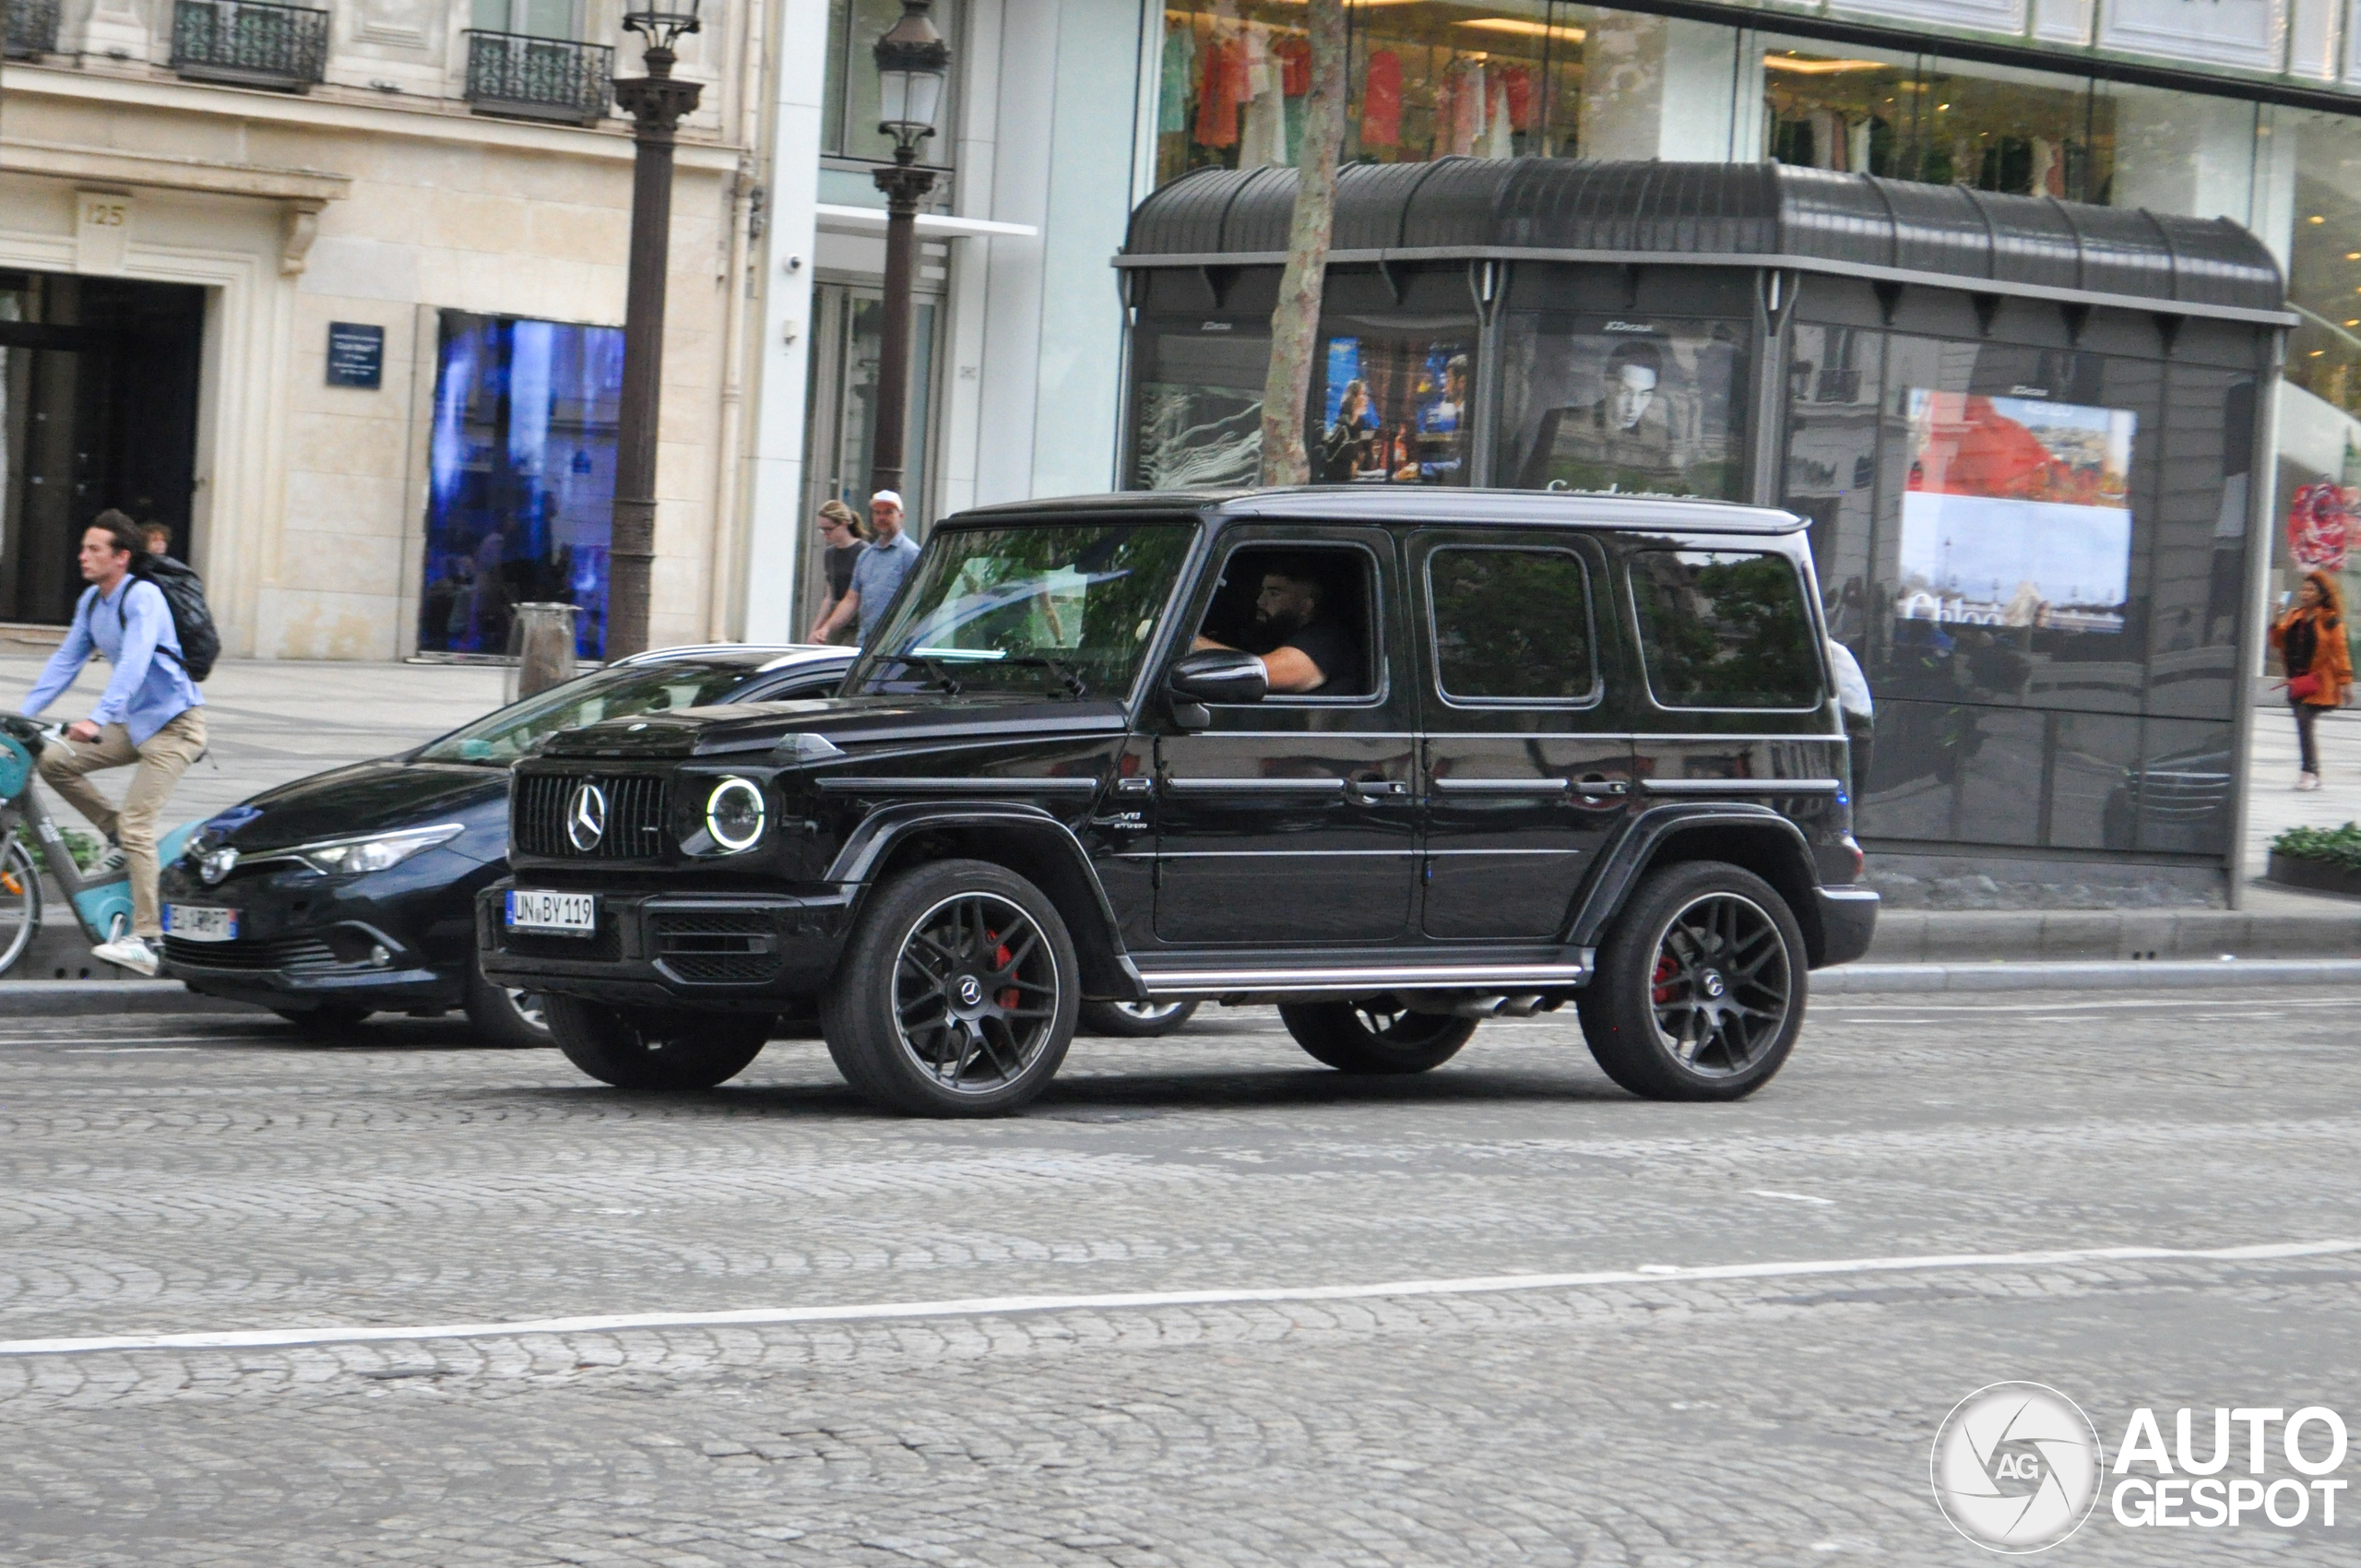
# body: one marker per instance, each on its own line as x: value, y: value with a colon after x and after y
x: 183, y: 591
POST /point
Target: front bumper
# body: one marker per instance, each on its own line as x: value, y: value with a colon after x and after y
x: 307, y: 941
x: 707, y: 950
x: 1848, y: 918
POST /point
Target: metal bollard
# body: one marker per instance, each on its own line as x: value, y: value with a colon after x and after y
x: 540, y: 639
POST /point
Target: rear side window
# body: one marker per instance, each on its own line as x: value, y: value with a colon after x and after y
x: 1512, y: 626
x: 1725, y: 628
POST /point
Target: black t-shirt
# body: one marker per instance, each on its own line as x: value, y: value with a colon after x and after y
x: 839, y: 564
x: 1332, y: 648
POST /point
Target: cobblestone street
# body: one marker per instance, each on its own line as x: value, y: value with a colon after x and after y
x: 181, y: 1174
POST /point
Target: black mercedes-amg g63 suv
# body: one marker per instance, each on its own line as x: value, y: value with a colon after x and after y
x: 1397, y: 760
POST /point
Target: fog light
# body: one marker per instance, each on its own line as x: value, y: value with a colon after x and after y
x: 379, y: 955
x: 734, y: 814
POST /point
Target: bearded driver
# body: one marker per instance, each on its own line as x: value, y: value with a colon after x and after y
x: 1309, y: 653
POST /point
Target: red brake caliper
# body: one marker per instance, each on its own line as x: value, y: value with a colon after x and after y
x: 999, y: 956
x: 1665, y: 970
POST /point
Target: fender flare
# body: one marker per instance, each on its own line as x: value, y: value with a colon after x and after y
x: 1107, y: 967
x: 1610, y: 887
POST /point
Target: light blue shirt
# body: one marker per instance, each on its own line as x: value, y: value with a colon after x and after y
x: 878, y: 575
x: 125, y: 628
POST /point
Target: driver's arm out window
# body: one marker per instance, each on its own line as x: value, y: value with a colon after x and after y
x: 1313, y: 598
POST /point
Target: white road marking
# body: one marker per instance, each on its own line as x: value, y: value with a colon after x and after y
x: 1791, y: 1197
x: 998, y: 1306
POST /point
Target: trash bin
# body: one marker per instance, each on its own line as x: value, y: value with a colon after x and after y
x: 540, y: 639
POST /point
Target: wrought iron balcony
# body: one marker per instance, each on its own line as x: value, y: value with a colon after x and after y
x: 250, y: 43
x: 539, y: 79
x: 32, y: 28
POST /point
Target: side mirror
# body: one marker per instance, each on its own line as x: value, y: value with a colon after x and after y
x: 1220, y: 675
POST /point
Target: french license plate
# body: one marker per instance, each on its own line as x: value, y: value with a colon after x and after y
x: 554, y: 914
x: 196, y: 922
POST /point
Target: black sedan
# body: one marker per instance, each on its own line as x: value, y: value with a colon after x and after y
x: 353, y: 891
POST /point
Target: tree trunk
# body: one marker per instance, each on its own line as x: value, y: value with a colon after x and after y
x: 1295, y: 325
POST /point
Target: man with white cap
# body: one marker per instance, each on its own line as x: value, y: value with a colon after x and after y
x: 879, y: 572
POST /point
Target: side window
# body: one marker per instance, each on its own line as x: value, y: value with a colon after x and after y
x: 1725, y: 628
x: 1512, y: 626
x: 1317, y: 599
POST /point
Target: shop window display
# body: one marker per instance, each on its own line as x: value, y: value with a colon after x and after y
x: 1200, y: 405
x: 1911, y: 118
x: 1624, y: 404
x: 521, y: 483
x: 2318, y: 525
x: 1425, y: 78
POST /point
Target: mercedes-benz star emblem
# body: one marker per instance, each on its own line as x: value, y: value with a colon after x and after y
x: 970, y: 992
x: 1715, y: 984
x: 585, y: 816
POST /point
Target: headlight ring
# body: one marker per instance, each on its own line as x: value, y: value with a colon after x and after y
x: 736, y: 814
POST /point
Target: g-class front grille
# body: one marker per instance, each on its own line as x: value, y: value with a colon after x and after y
x: 542, y: 816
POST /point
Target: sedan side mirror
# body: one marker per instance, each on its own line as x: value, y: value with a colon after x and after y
x: 1220, y: 675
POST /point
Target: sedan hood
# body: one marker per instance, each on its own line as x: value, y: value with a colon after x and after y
x: 364, y: 798
x: 850, y: 723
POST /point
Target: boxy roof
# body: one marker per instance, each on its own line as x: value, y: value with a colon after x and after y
x: 1757, y: 215
x: 1428, y: 503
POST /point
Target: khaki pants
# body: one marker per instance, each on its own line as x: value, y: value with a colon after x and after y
x: 161, y: 761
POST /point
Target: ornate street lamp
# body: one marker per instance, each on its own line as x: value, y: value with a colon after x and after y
x: 913, y: 63
x: 657, y: 103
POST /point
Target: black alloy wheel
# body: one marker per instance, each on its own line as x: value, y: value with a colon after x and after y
x: 504, y: 1015
x: 1375, y: 1035
x: 1136, y: 1020
x: 1699, y: 988
x: 656, y: 1049
x: 956, y: 996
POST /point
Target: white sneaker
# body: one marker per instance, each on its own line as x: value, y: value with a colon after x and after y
x: 128, y: 953
x: 108, y: 864
x: 2308, y: 781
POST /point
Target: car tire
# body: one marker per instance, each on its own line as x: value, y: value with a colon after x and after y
x: 329, y: 1020
x: 957, y: 994
x: 1375, y: 1036
x: 647, y: 1049
x: 1700, y: 987
x: 516, y: 1019
x: 1136, y: 1020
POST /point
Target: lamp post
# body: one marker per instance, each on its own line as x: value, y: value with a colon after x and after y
x: 657, y: 103
x: 912, y: 63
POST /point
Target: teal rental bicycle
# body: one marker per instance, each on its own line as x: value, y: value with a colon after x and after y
x: 100, y: 901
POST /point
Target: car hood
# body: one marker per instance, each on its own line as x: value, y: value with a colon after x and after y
x: 366, y: 797
x: 850, y: 723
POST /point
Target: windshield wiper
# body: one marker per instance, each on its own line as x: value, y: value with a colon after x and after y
x: 1066, y: 673
x: 940, y: 670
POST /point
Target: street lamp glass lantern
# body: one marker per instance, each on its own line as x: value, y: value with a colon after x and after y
x: 913, y: 63
x: 664, y: 23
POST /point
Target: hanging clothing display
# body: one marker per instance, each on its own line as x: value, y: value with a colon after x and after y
x: 1467, y: 110
x: 1224, y: 89
x: 1263, y: 142
x: 1179, y: 76
x: 1295, y: 56
x: 1499, y: 138
x: 1381, y: 100
x: 1516, y: 91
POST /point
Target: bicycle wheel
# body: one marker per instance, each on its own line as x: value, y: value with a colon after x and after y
x: 19, y: 904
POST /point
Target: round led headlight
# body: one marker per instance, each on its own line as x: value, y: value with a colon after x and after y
x: 734, y: 814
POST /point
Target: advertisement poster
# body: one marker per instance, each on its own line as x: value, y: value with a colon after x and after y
x: 2017, y: 513
x: 1393, y: 408
x: 1632, y: 406
x: 2319, y: 526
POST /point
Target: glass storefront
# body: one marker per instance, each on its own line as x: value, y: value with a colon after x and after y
x: 521, y: 478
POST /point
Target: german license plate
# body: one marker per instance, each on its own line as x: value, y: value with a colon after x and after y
x: 552, y: 914
x: 196, y: 922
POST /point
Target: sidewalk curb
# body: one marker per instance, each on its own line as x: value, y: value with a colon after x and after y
x: 1860, y: 979
x: 71, y: 998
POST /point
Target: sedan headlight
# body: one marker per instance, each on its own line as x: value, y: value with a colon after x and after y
x: 377, y: 851
x: 735, y: 813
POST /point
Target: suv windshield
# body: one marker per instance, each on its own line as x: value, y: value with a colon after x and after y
x: 519, y: 728
x: 1067, y: 609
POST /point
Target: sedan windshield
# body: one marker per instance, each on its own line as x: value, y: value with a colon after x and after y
x: 519, y: 728
x: 1062, y: 610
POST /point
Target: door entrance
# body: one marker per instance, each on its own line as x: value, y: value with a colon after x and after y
x: 98, y: 408
x: 842, y: 431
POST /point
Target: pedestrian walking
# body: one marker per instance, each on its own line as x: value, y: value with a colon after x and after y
x: 2311, y: 640
x: 844, y: 536
x: 1859, y: 711
x: 149, y: 719
x: 877, y: 575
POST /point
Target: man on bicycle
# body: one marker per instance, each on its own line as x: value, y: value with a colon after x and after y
x: 150, y: 718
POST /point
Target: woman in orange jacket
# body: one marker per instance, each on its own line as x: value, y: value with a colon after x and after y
x: 2311, y: 640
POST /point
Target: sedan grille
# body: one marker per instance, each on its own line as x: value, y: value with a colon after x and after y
x: 538, y: 817
x: 295, y: 954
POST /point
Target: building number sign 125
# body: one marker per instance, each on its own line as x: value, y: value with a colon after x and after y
x: 100, y: 213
